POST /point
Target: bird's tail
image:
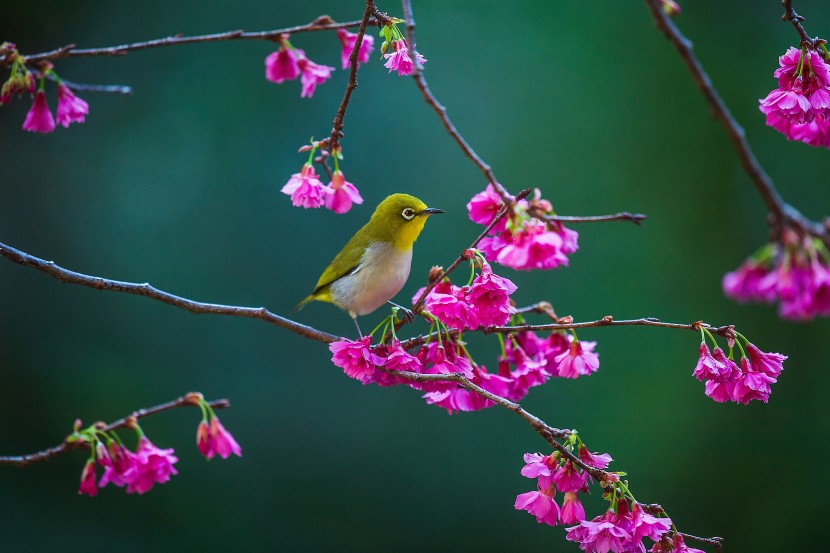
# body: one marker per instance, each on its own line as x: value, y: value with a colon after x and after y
x: 305, y: 301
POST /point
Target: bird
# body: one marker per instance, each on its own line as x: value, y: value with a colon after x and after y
x: 374, y: 264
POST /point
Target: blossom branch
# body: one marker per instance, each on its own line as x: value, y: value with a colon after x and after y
x: 79, y: 87
x: 726, y: 331
x: 148, y: 291
x: 636, y: 218
x: 780, y: 212
x: 187, y: 400
x: 322, y: 23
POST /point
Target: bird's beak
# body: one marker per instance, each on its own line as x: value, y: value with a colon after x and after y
x: 431, y: 211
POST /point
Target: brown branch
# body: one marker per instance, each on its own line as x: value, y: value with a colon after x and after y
x: 108, y: 88
x: 322, y: 23
x: 337, y: 124
x: 46, y: 454
x: 725, y: 331
x: 636, y: 218
x: 795, y: 19
x: 715, y: 542
x: 781, y: 214
x: 148, y: 291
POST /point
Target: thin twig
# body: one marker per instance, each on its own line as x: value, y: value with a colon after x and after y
x: 636, y: 218
x: 337, y: 124
x: 146, y: 290
x: 725, y: 331
x: 80, y: 87
x: 322, y: 23
x: 46, y: 454
x: 795, y: 19
x: 781, y: 214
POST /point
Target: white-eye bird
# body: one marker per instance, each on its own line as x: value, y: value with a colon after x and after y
x: 373, y: 266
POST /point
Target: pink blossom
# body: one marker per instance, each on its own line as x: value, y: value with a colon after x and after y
x: 572, y: 510
x: 710, y: 368
x: 356, y: 358
x: 537, y: 465
x: 743, y: 284
x: 681, y: 547
x: 720, y: 391
x: 119, y: 465
x: 578, y: 360
x: 488, y: 297
x: 305, y: 188
x: 770, y: 364
x: 312, y: 75
x: 532, y: 246
x: 596, y: 460
x: 88, y: 486
x: 449, y: 304
x: 343, y: 194
x: 484, y: 206
x: 569, y: 478
x: 39, y: 119
x: 438, y: 359
x: 215, y: 439
x: 458, y: 398
x: 727, y: 367
x: 751, y: 385
x: 283, y: 65
x: 800, y: 106
x: 347, y: 42
x: 601, y: 534
x: 648, y: 526
x: 152, y: 466
x: 397, y: 359
x: 539, y: 504
x: 399, y: 60
x: 71, y: 109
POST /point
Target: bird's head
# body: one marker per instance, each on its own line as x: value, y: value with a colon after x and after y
x: 400, y: 218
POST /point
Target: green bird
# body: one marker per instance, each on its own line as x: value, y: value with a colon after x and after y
x: 374, y: 264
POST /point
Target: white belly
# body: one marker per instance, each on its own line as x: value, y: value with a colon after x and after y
x: 382, y: 272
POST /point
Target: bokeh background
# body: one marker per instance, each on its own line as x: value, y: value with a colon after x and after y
x: 178, y: 185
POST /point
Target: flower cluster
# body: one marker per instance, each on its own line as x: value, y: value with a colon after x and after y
x: 619, y: 530
x: 555, y: 473
x: 528, y: 361
x: 485, y: 301
x: 795, y: 273
x: 308, y: 191
x: 148, y: 465
x: 800, y: 107
x: 522, y: 240
x: 399, y: 59
x: 726, y: 381
x: 71, y: 109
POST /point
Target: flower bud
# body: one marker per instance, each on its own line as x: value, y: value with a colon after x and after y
x: 384, y: 47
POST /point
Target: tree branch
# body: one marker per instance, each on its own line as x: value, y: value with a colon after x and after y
x: 636, y: 218
x: 46, y: 454
x: 795, y: 19
x: 322, y: 23
x: 781, y: 214
x: 146, y: 290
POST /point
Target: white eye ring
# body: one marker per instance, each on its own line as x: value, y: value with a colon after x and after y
x: 408, y: 213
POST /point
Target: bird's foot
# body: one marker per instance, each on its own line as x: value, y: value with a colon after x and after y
x: 408, y: 314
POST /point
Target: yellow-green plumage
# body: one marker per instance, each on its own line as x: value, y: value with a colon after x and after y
x: 373, y: 266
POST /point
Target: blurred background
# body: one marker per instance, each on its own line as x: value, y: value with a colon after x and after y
x: 179, y: 184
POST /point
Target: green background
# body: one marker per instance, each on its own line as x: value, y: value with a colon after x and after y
x: 178, y: 185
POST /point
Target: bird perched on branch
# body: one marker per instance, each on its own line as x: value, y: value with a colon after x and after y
x: 373, y: 266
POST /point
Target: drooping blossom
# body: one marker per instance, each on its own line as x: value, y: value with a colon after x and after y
x: 442, y: 359
x: 356, y: 358
x: 484, y: 206
x: 488, y: 297
x: 306, y: 189
x: 794, y: 272
x: 596, y: 460
x: 343, y: 194
x: 448, y: 303
x: 88, y: 485
x: 569, y: 478
x: 714, y: 367
x: 399, y: 59
x: 119, y: 465
x: 800, y: 107
x: 282, y: 65
x: 152, y: 466
x: 395, y: 359
x: 770, y: 364
x: 39, y: 119
x: 749, y: 382
x: 537, y: 465
x: 288, y: 63
x: 213, y: 439
x: 572, y: 510
x: 71, y: 109
x: 347, y: 42
x: 311, y: 75
x: 539, y: 504
x: 578, y: 360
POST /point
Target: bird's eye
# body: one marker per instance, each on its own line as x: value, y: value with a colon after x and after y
x: 408, y: 213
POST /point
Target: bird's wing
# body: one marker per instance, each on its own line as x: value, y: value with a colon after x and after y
x: 350, y: 256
